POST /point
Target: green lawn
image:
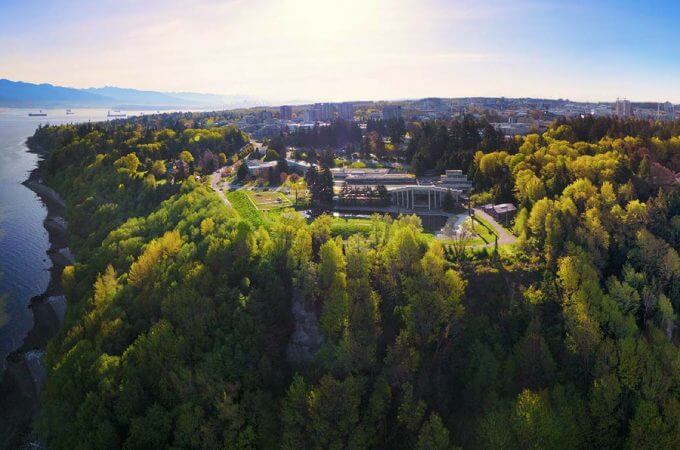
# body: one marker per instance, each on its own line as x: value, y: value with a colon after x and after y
x: 245, y: 207
x: 268, y: 200
x: 484, y: 230
x: 346, y: 227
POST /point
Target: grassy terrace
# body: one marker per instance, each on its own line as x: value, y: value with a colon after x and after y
x: 245, y: 207
x: 268, y: 200
x: 256, y: 207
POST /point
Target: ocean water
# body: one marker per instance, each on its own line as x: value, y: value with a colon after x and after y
x: 23, y: 240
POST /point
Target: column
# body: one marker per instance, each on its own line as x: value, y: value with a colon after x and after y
x: 429, y: 202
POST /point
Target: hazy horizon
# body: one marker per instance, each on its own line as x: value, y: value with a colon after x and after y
x: 357, y: 50
x: 300, y: 102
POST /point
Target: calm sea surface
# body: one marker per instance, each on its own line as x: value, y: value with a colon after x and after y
x: 23, y: 240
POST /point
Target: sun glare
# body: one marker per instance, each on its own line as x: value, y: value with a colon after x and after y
x: 323, y: 20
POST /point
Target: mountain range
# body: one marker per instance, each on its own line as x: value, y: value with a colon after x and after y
x: 18, y: 94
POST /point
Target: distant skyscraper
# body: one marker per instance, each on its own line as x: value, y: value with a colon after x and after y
x: 311, y: 114
x: 669, y: 108
x: 346, y: 110
x: 319, y: 112
x: 285, y: 112
x: 391, y: 112
x: 325, y: 111
x: 623, y: 108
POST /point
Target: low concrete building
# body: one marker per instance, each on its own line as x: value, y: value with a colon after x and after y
x: 259, y: 168
x: 340, y: 173
x: 415, y: 197
x: 298, y: 166
x: 367, y: 179
x: 503, y: 212
x: 455, y: 179
x: 403, y: 189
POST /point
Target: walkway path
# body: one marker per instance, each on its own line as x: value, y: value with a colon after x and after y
x: 216, y: 177
x: 504, y: 237
x: 214, y: 180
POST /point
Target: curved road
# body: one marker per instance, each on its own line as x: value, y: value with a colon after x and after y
x: 214, y: 178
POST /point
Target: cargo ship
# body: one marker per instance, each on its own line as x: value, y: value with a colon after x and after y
x: 115, y: 114
x: 37, y: 114
x: 69, y: 112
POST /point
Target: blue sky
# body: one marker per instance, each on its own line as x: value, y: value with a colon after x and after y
x: 352, y: 49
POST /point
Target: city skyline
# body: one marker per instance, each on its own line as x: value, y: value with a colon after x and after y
x: 322, y: 51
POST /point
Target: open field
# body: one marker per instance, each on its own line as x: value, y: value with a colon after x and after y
x: 268, y: 200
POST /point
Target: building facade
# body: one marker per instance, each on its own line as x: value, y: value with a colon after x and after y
x: 503, y: 212
x: 346, y: 111
x: 623, y: 108
x: 259, y: 168
x: 390, y: 112
x: 285, y: 112
x: 455, y: 179
x: 367, y: 179
x: 416, y: 197
x: 311, y: 115
x: 403, y: 190
x: 326, y: 111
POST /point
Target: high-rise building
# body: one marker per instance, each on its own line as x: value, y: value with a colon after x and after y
x: 285, y: 112
x: 391, y: 112
x: 623, y: 108
x: 669, y: 108
x: 346, y: 110
x: 319, y: 112
x: 311, y: 114
x: 325, y: 111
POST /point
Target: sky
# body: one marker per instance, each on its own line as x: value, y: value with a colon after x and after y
x: 334, y: 50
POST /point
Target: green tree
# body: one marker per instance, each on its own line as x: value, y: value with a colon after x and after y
x: 130, y: 162
x: 242, y: 172
x: 433, y: 435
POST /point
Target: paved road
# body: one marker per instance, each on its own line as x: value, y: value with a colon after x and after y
x: 217, y: 175
x: 504, y: 237
x: 214, y: 178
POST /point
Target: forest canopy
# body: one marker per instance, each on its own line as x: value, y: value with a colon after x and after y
x: 190, y: 326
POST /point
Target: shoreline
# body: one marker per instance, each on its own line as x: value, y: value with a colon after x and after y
x: 24, y: 376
